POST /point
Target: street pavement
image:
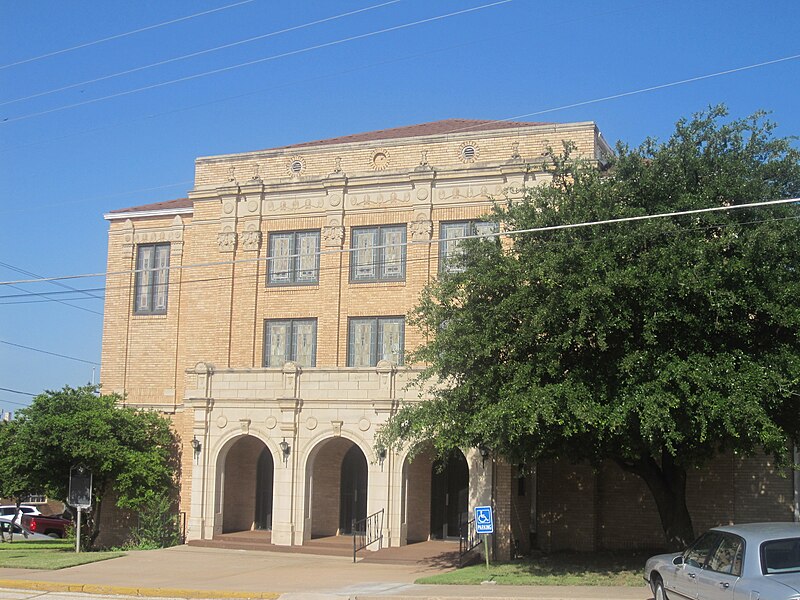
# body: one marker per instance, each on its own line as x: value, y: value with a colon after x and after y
x: 195, y: 572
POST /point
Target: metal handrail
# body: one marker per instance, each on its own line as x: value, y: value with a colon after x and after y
x: 367, y: 531
x: 468, y: 538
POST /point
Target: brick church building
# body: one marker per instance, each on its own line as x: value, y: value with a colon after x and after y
x: 266, y: 314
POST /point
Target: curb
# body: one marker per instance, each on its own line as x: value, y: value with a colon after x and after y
x: 115, y: 590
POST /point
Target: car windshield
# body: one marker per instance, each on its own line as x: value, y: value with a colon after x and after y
x: 780, y: 556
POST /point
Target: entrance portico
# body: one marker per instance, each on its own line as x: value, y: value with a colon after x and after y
x: 280, y: 452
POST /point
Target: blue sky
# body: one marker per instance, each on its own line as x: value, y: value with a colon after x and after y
x: 67, y: 156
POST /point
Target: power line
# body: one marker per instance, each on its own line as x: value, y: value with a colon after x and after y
x: 713, y: 209
x: 103, y: 198
x: 328, y: 75
x: 122, y: 35
x: 199, y: 53
x: 256, y: 61
x: 224, y: 279
x: 17, y: 392
x: 88, y: 362
x: 59, y: 284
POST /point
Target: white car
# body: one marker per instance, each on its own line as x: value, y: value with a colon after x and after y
x: 11, y: 509
x: 752, y: 561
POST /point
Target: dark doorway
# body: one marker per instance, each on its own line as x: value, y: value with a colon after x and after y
x: 264, y: 478
x: 353, y: 494
x: 449, y: 489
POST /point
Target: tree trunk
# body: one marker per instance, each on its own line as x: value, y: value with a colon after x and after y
x: 95, y: 528
x: 667, y: 484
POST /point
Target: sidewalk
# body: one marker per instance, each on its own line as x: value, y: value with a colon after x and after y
x: 194, y: 572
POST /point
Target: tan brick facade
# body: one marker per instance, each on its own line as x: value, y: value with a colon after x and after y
x: 201, y: 360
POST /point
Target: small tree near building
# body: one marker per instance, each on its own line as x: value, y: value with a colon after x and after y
x: 655, y: 344
x: 130, y: 452
x: 15, y: 480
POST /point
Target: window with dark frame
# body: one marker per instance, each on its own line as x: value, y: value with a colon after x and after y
x: 293, y: 258
x: 451, y: 235
x: 292, y: 340
x: 378, y: 253
x: 152, y: 279
x: 372, y: 339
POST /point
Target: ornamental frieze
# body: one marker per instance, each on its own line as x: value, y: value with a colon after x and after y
x: 467, y: 193
x: 380, y: 199
x: 286, y: 204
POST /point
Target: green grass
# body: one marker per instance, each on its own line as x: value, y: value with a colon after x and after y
x: 57, y: 554
x: 614, y: 569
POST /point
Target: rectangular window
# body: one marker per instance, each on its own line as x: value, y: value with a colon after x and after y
x: 451, y: 235
x: 378, y: 253
x: 373, y: 339
x: 293, y: 258
x: 152, y: 279
x: 290, y: 340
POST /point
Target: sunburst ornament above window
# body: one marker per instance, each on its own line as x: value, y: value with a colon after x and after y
x: 468, y: 152
x: 380, y: 160
x: 296, y: 166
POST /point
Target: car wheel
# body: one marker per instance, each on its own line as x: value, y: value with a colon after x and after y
x: 54, y: 535
x: 659, y: 593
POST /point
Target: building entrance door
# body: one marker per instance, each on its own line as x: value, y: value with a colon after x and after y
x: 449, y: 489
x: 353, y: 490
x: 264, y: 479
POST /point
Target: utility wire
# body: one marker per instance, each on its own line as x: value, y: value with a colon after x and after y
x: 122, y: 35
x: 273, y: 88
x: 199, y: 53
x: 59, y: 284
x: 651, y: 88
x: 511, y: 233
x: 256, y: 61
x: 88, y: 362
x: 212, y: 283
x: 17, y: 392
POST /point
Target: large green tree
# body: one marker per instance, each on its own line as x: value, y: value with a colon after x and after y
x: 132, y: 453
x: 655, y: 343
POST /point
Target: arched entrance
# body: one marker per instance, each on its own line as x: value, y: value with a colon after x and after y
x: 435, y: 495
x: 337, y: 487
x: 247, y: 486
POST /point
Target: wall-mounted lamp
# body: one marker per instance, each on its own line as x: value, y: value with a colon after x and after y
x: 285, y: 449
x: 484, y: 453
x: 196, y: 445
x: 381, y: 452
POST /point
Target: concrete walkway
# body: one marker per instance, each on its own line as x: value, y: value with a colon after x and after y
x: 193, y: 572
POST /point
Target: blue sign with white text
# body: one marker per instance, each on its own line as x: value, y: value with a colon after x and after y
x: 484, y: 521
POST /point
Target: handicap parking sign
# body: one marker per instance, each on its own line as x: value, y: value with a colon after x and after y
x: 484, y: 522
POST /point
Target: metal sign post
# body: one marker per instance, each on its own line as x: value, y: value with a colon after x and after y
x: 484, y: 525
x: 80, y: 496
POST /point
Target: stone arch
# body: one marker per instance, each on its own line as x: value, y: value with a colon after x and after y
x: 244, y: 483
x: 435, y: 494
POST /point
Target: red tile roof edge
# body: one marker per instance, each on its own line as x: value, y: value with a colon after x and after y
x: 442, y: 127
x: 165, y: 205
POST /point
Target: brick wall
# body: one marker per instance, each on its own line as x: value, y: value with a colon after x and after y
x: 418, y: 496
x: 585, y: 509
